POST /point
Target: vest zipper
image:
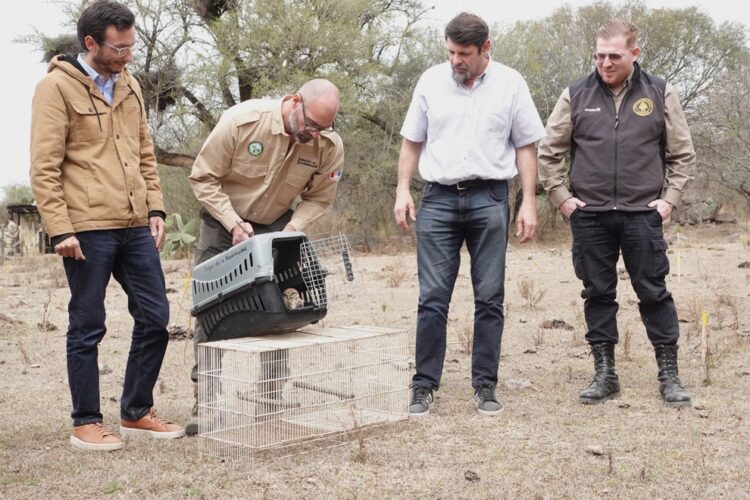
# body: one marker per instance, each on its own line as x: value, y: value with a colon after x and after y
x: 617, y: 123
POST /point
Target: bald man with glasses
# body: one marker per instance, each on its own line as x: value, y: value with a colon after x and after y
x: 631, y: 156
x: 268, y: 165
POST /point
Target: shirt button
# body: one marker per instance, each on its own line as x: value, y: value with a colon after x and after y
x: 126, y: 164
x: 117, y: 136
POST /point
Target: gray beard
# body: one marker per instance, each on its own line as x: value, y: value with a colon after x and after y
x: 460, y: 78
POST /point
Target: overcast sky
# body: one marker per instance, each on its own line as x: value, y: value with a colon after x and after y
x: 22, y: 68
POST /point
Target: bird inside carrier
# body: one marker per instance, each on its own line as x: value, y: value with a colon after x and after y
x: 298, y: 391
x: 271, y: 283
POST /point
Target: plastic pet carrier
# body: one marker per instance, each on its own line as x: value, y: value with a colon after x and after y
x: 270, y: 283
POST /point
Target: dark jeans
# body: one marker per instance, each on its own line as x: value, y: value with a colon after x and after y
x: 215, y: 239
x: 447, y: 217
x: 130, y: 256
x: 598, y: 239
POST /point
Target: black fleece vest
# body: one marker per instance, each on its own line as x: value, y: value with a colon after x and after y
x: 618, y: 160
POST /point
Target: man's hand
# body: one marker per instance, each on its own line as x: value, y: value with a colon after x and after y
x: 70, y: 248
x: 158, y: 232
x: 404, y: 209
x: 289, y: 227
x: 241, y: 231
x: 526, y: 221
x: 571, y: 205
x: 663, y: 207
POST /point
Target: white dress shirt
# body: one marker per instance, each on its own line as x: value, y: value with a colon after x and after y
x: 471, y: 133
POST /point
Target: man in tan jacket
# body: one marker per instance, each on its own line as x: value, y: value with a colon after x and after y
x: 268, y: 165
x: 93, y: 173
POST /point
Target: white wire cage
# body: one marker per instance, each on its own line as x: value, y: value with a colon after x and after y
x: 287, y: 392
x: 329, y: 269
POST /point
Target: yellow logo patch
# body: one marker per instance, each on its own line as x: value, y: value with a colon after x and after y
x: 643, y: 106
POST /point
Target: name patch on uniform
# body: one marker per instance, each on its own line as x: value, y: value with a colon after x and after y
x: 592, y: 110
x: 255, y: 148
x: 643, y: 106
x: 335, y: 176
x: 307, y: 163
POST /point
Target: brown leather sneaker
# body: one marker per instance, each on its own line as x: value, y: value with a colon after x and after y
x: 95, y: 437
x: 151, y: 425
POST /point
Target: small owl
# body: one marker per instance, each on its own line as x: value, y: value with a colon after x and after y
x: 292, y: 300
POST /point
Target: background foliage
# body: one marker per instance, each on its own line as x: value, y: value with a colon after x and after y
x: 197, y: 58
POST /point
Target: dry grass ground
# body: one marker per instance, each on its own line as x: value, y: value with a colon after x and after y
x: 543, y: 445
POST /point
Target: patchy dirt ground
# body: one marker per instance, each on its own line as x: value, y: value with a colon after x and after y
x: 544, y: 444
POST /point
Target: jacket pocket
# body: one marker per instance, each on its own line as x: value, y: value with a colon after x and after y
x: 88, y: 122
x: 248, y: 169
x: 578, y: 262
x: 298, y: 177
x: 659, y: 260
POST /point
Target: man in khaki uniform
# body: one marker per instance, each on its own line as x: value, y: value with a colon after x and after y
x: 262, y: 157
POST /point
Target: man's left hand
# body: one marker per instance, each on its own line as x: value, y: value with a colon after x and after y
x: 526, y: 221
x: 156, y: 225
x: 663, y: 207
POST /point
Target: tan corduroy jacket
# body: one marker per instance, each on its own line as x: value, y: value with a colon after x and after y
x: 92, y: 164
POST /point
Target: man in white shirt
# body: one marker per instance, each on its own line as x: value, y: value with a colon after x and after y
x: 470, y: 128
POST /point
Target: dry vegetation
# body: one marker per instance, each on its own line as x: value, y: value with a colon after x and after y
x: 543, y: 445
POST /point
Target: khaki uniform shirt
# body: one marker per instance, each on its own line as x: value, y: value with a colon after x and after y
x: 249, y: 170
x: 680, y: 155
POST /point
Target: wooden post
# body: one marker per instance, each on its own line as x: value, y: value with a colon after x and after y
x: 2, y: 244
x: 705, y: 352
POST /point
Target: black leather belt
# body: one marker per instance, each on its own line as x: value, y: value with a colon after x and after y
x: 469, y: 184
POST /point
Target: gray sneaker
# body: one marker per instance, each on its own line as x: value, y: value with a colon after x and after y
x: 420, y: 402
x: 486, y: 402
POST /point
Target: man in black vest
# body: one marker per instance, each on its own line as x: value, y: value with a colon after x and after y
x: 631, y: 156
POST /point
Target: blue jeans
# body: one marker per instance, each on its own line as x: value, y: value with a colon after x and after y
x: 130, y: 256
x: 447, y: 217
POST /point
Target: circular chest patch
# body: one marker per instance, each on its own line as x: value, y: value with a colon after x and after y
x: 643, y: 106
x: 255, y: 148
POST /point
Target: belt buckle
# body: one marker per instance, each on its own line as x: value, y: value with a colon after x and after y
x: 461, y: 188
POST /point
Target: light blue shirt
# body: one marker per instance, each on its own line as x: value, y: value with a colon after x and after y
x: 471, y: 133
x: 106, y: 87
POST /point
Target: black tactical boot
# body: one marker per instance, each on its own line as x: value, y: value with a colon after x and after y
x: 605, y: 384
x: 670, y: 386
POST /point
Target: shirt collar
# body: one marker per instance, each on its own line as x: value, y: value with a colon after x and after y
x: 277, y: 126
x: 92, y: 72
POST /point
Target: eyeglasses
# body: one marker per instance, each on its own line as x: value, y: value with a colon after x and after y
x: 310, y: 125
x: 613, y: 57
x: 121, y: 51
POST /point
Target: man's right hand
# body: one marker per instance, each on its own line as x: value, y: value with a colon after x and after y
x: 241, y: 231
x: 571, y: 205
x: 70, y: 248
x: 404, y: 209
